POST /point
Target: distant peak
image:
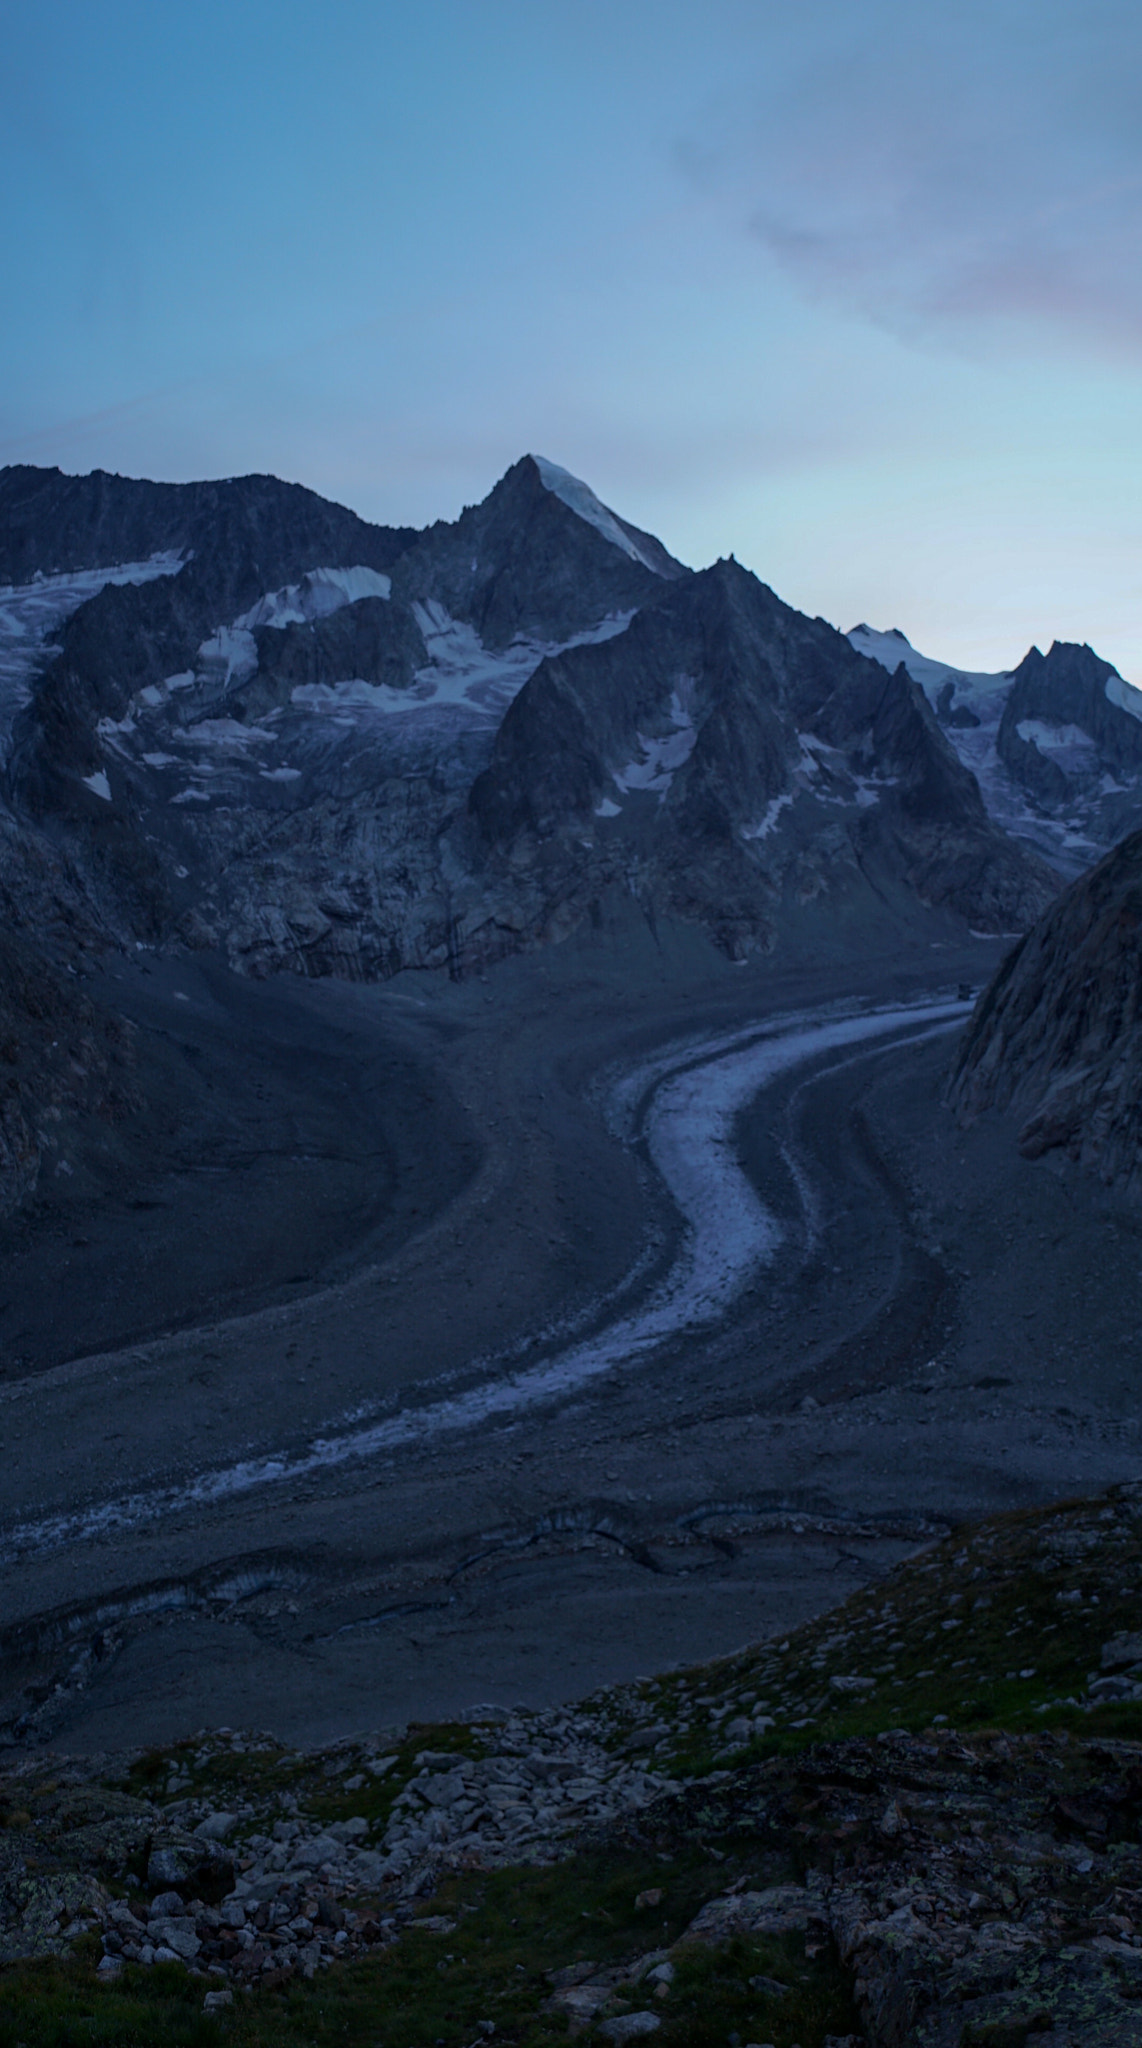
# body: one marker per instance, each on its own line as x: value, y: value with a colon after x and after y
x: 581, y: 499
x: 868, y: 632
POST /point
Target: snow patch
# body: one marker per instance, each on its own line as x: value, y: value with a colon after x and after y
x: 769, y: 817
x: 581, y: 499
x: 354, y: 695
x: 660, y: 754
x: 607, y: 809
x: 99, y: 783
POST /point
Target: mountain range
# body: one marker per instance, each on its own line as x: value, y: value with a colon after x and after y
x: 235, y: 716
x: 249, y: 718
x: 1055, y: 744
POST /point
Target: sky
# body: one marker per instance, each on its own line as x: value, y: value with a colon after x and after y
x: 849, y: 288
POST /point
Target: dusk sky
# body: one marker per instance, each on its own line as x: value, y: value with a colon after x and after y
x: 852, y: 288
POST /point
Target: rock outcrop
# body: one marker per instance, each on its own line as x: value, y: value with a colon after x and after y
x: 1058, y: 1034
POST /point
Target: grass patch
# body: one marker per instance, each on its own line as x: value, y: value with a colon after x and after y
x: 512, y: 1928
x: 1000, y: 1626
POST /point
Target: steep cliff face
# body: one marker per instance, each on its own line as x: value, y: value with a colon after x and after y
x: 1058, y: 1034
x: 1056, y: 744
x: 730, y: 757
x: 64, y: 1059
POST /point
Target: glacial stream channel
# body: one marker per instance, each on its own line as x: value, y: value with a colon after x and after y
x: 681, y: 1105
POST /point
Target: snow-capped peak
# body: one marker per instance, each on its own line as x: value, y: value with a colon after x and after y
x: 581, y: 499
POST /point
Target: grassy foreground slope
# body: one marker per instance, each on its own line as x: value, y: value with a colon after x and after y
x: 917, y: 1821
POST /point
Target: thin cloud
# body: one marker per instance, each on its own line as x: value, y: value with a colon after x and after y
x: 974, y: 173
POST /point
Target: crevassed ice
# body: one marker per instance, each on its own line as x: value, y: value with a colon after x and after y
x: 983, y: 691
x: 1124, y: 694
x: 460, y: 670
x: 581, y: 499
x: 230, y: 652
x: 30, y: 613
x: 320, y: 593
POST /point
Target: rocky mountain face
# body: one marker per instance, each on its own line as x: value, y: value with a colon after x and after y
x: 1058, y: 1034
x: 235, y: 715
x: 1055, y: 744
x: 730, y: 760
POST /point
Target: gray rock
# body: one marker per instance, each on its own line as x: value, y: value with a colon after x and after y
x: 167, y: 1867
x: 1121, y: 1651
x: 310, y: 1855
x: 738, y: 1730
x: 629, y: 2026
x: 217, y: 1827
x: 177, y: 1935
x: 1113, y: 1689
x: 166, y: 1906
x: 1054, y: 1036
x: 781, y: 1909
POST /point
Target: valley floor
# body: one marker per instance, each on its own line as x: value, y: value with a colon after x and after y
x: 420, y: 1197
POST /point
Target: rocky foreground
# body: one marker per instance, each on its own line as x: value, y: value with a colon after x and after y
x: 794, y: 1845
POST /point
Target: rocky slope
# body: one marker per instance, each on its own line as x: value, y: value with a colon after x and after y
x: 874, y: 1832
x: 1056, y: 744
x: 1058, y: 1034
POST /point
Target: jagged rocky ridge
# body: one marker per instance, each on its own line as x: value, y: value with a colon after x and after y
x: 350, y: 749
x: 1057, y: 1036
x: 731, y: 761
x: 1056, y: 744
